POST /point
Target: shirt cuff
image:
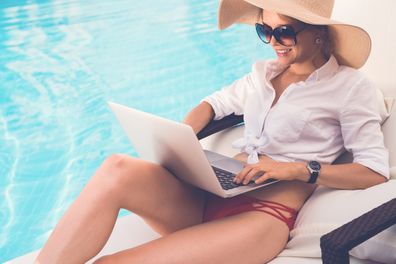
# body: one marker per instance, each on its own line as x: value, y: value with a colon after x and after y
x: 216, y: 110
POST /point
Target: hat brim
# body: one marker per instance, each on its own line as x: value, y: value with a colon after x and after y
x: 352, y: 44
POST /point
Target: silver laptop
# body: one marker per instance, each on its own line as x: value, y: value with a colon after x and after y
x: 175, y: 146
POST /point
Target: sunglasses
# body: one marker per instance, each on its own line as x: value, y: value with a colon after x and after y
x: 285, y: 35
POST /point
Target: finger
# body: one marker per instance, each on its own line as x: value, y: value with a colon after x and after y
x: 241, y: 175
x: 259, y: 169
x: 252, y: 173
x: 263, y: 178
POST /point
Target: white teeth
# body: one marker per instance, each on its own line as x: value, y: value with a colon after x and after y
x: 284, y: 51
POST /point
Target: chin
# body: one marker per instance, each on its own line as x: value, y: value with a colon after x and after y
x: 285, y: 61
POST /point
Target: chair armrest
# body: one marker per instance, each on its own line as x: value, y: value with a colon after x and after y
x: 215, y: 126
x: 336, y: 244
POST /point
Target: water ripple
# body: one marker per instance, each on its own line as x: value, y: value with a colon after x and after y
x: 62, y: 60
x: 7, y: 205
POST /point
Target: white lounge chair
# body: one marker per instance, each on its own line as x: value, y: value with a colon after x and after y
x: 376, y: 17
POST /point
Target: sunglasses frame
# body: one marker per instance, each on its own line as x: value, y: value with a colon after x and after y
x: 276, y: 32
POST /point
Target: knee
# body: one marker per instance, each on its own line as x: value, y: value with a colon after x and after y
x: 120, y: 171
x: 115, y: 161
x: 114, y: 169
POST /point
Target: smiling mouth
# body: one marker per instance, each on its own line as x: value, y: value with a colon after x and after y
x: 283, y: 52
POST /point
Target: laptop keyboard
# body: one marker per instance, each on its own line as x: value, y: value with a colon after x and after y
x: 225, y: 178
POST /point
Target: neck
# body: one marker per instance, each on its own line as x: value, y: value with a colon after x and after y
x: 307, y: 67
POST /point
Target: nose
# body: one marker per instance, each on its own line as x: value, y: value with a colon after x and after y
x: 273, y: 41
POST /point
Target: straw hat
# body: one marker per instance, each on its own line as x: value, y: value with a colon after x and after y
x: 352, y: 44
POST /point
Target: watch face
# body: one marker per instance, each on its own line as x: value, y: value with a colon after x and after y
x: 314, y: 165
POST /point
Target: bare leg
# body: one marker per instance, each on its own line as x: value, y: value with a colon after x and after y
x: 121, y: 182
x: 251, y: 237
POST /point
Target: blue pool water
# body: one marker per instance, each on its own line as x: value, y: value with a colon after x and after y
x: 61, y: 60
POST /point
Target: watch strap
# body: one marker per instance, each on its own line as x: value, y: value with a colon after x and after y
x: 314, y: 169
x: 313, y: 177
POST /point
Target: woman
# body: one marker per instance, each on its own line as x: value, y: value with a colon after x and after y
x: 301, y: 111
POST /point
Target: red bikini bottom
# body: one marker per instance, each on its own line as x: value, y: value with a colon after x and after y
x: 217, y: 207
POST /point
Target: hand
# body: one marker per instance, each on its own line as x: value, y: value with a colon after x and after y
x: 269, y: 169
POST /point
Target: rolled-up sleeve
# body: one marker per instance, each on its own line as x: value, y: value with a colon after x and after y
x: 361, y: 130
x: 230, y: 99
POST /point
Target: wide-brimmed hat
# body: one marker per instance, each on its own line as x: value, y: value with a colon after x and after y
x: 351, y: 44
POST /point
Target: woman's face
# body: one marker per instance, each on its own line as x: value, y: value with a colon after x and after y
x: 305, y: 49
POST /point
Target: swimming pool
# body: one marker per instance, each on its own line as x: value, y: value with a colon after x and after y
x: 61, y: 60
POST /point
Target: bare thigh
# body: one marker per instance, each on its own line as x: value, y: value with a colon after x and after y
x: 152, y: 192
x: 251, y: 237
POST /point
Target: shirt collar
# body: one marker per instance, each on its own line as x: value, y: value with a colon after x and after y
x: 326, y: 71
x: 273, y: 69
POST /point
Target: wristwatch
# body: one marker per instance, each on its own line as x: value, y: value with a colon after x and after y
x: 314, y: 169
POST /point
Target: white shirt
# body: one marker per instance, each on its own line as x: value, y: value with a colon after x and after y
x: 334, y: 110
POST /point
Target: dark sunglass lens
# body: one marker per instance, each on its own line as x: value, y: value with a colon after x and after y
x: 264, y: 33
x: 285, y: 35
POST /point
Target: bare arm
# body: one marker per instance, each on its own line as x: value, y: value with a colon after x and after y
x: 341, y: 176
x: 345, y: 176
x: 199, y: 116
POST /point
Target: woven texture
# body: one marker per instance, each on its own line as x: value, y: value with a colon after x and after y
x: 336, y: 244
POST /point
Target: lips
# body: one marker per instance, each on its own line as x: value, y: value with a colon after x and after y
x: 283, y: 52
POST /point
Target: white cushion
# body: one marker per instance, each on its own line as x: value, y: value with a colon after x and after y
x: 385, y: 105
x: 328, y: 209
x: 392, y: 172
x: 389, y: 130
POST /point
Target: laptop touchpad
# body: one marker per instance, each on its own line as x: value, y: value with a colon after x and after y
x: 228, y: 164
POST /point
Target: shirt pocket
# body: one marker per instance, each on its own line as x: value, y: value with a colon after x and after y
x: 285, y: 122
